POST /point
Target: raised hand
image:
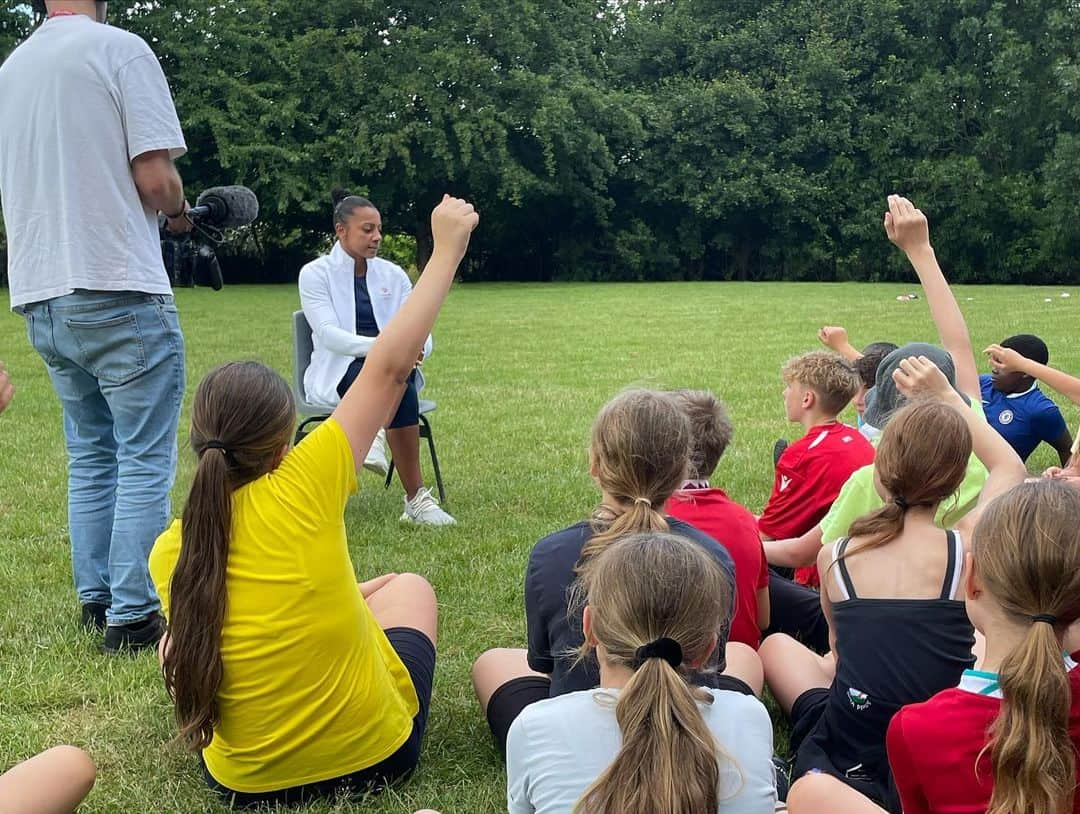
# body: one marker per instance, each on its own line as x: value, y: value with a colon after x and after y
x: 1006, y: 360
x: 833, y: 336
x: 452, y: 222
x: 906, y: 226
x: 918, y: 377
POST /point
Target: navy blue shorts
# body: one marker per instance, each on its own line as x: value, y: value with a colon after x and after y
x: 417, y: 653
x: 408, y: 410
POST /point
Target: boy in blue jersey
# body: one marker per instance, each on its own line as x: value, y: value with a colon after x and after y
x: 1017, y: 409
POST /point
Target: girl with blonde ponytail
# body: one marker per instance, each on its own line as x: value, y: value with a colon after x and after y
x: 639, y: 455
x: 649, y: 740
x: 891, y: 591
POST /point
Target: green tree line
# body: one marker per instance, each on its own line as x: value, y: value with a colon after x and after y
x: 643, y: 139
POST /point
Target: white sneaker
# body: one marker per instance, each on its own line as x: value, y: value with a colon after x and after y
x: 376, y: 457
x: 425, y: 510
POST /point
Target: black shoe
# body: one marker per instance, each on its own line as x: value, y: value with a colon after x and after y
x: 134, y: 636
x: 93, y: 616
x: 778, y: 450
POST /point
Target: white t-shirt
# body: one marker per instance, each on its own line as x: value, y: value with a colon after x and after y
x: 78, y: 101
x: 557, y: 747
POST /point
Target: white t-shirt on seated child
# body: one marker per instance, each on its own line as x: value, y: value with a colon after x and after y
x: 557, y: 747
x: 78, y: 101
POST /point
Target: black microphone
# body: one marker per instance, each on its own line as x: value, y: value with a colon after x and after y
x: 225, y: 207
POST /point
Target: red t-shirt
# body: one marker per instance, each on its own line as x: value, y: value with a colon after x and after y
x: 734, y: 527
x: 933, y: 747
x: 809, y: 476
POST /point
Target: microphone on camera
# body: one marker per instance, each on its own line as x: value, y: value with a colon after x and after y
x: 225, y: 207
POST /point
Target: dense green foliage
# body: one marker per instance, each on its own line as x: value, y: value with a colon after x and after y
x: 653, y: 139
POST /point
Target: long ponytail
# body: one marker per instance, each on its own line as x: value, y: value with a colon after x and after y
x: 242, y: 419
x: 1026, y: 549
x: 642, y: 591
x: 640, y: 454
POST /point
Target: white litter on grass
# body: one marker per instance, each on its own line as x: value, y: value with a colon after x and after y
x: 1048, y: 300
x: 1065, y: 295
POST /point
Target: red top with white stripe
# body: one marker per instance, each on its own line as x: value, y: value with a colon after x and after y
x: 933, y: 746
x: 809, y: 476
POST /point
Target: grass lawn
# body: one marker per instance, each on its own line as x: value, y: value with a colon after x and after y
x: 519, y: 371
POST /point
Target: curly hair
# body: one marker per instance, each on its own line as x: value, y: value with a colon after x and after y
x: 829, y: 375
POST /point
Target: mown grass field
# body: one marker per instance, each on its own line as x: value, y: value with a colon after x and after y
x: 518, y: 372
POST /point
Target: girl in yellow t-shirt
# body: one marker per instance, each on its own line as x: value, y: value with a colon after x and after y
x: 291, y: 680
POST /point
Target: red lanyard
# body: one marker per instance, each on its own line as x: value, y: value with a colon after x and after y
x: 64, y: 14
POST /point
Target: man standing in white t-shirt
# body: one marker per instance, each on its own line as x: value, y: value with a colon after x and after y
x: 88, y: 134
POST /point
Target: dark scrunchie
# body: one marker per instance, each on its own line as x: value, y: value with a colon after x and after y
x: 663, y: 648
x: 901, y: 501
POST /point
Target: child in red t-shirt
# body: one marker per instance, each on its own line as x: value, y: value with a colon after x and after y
x: 710, y: 510
x: 811, y: 471
x: 1007, y: 739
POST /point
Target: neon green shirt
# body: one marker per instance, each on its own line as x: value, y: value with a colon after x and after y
x: 859, y: 497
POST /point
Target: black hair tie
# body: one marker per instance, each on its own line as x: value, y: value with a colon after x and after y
x: 663, y: 648
x: 901, y: 501
x: 1049, y: 618
x: 215, y: 444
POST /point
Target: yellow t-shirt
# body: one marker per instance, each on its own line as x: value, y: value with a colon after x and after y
x: 311, y: 689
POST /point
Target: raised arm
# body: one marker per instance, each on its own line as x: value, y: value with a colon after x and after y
x: 836, y: 337
x: 907, y: 227
x: 919, y: 377
x: 1008, y: 360
x: 367, y: 403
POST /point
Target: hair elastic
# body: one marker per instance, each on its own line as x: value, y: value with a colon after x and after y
x: 663, y: 648
x: 901, y: 501
x: 644, y: 500
x: 1049, y: 618
x: 215, y: 444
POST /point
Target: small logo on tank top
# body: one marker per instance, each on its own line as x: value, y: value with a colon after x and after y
x: 1005, y: 417
x: 859, y: 701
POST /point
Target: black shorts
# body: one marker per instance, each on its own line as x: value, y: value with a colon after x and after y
x: 507, y: 702
x: 805, y: 713
x: 417, y: 653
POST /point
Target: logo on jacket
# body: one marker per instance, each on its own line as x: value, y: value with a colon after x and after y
x: 859, y: 701
x: 785, y: 482
x: 1005, y: 417
x: 385, y: 291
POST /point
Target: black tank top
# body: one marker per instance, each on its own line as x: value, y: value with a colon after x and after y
x: 892, y: 652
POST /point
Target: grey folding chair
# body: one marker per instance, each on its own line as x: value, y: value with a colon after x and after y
x: 312, y: 414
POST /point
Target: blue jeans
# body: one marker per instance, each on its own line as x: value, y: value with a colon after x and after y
x: 116, y: 360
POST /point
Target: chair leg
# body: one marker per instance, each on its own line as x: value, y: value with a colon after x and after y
x: 303, y: 430
x: 434, y: 457
x: 425, y: 432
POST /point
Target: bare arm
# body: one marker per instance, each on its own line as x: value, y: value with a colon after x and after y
x: 1007, y: 360
x: 907, y: 227
x: 1063, y: 444
x: 764, y: 608
x: 367, y: 403
x: 918, y: 376
x: 794, y: 552
x: 160, y: 187
x: 836, y: 337
x: 7, y: 389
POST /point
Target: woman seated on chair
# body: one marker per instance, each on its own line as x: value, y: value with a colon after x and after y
x: 348, y: 296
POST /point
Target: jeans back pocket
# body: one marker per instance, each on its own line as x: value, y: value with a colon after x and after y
x: 111, y: 349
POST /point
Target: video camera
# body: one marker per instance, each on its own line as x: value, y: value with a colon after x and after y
x: 192, y: 262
